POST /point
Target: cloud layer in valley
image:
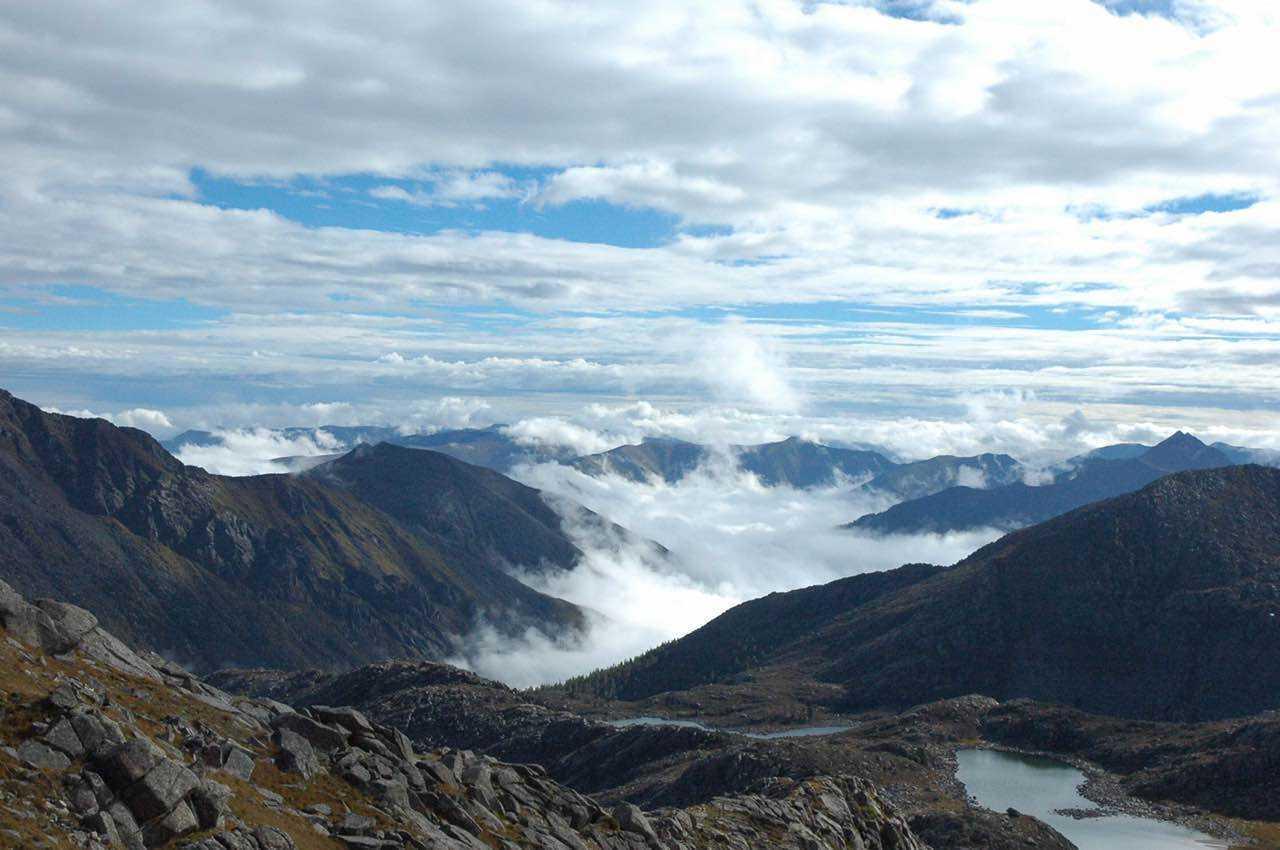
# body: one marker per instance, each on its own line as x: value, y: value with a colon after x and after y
x: 937, y: 226
x: 730, y: 538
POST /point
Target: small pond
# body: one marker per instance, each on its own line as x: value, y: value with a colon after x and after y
x: 1041, y: 786
x: 798, y: 732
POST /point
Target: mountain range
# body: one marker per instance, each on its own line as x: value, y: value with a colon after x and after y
x: 796, y: 462
x: 1161, y: 604
x: 1099, y: 475
x: 1141, y: 632
x: 961, y: 492
x: 793, y: 462
x: 330, y: 568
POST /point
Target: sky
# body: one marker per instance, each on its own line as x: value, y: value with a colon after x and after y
x: 930, y: 225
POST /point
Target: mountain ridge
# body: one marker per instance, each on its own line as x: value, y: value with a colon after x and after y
x: 1092, y: 478
x: 1163, y: 604
x: 278, y: 569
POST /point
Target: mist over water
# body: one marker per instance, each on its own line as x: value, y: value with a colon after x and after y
x: 729, y: 538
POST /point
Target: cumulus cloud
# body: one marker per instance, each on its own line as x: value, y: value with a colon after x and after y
x: 437, y: 414
x: 743, y: 366
x: 256, y: 451
x: 649, y: 184
x: 553, y: 432
x: 730, y: 538
x: 146, y: 419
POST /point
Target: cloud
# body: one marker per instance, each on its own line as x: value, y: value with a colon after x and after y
x: 646, y: 184
x: 741, y: 365
x: 968, y: 476
x: 730, y: 538
x: 551, y: 432
x: 454, y: 188
x: 848, y: 175
x: 255, y: 451
x: 141, y: 417
x: 153, y: 421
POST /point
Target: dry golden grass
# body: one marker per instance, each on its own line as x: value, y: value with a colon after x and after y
x: 1266, y: 836
x: 24, y: 685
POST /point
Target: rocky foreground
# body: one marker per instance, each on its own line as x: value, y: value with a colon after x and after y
x: 104, y: 747
x: 1220, y: 777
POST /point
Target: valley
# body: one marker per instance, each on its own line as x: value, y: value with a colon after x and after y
x: 1133, y: 638
x: 681, y: 425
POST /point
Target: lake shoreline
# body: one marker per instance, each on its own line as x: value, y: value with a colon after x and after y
x: 1104, y: 790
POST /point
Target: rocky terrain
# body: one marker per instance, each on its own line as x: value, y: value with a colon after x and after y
x: 911, y: 759
x: 1163, y: 604
x: 289, y: 571
x: 1011, y: 504
x: 101, y: 747
x: 1216, y: 776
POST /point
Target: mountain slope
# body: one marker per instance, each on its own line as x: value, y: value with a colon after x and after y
x: 654, y: 459
x: 472, y: 513
x: 1017, y: 505
x: 488, y: 447
x: 800, y: 463
x: 1163, y: 604
x: 282, y: 570
x: 920, y: 478
x: 792, y: 462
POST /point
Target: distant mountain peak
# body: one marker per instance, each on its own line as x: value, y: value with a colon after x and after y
x: 1181, y: 438
x: 1182, y: 451
x: 660, y: 440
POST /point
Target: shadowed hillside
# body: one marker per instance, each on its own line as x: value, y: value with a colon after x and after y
x: 1162, y: 604
x: 281, y: 570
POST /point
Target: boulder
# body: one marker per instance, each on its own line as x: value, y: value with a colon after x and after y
x: 72, y: 622
x: 36, y: 754
x: 209, y: 802
x: 102, y: 824
x: 126, y: 825
x: 63, y: 738
x: 354, y: 824
x: 25, y: 622
x: 348, y: 718
x: 160, y: 790
x: 296, y: 753
x: 238, y: 763
x: 80, y: 795
x: 97, y: 734
x: 401, y: 745
x: 631, y: 819
x: 270, y: 838
x: 179, y: 821
x: 321, y: 736
x: 126, y: 763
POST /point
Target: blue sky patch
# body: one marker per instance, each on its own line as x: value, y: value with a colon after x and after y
x: 1164, y: 8
x: 347, y: 202
x: 1206, y: 203
x: 87, y: 308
